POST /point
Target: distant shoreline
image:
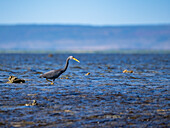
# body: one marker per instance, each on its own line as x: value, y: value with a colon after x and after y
x: 84, y: 38
x: 86, y: 51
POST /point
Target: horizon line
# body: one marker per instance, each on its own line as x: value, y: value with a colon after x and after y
x: 51, y: 24
x: 47, y: 51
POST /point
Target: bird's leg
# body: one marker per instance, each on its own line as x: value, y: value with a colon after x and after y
x: 49, y: 80
x: 52, y: 82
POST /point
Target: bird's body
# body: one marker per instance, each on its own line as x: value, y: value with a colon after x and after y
x: 53, y: 74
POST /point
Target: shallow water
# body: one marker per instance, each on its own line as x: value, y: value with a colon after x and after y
x: 105, y: 98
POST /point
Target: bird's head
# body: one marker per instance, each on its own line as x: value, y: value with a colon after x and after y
x: 71, y: 57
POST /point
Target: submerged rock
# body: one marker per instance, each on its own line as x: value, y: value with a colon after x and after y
x: 32, y: 104
x: 50, y: 55
x: 87, y: 74
x: 126, y: 71
x: 64, y: 78
x: 13, y: 79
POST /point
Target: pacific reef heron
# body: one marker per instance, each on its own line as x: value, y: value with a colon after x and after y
x: 53, y: 74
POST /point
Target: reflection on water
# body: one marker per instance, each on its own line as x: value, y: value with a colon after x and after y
x: 105, y: 97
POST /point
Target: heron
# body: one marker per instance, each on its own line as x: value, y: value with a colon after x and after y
x: 53, y: 74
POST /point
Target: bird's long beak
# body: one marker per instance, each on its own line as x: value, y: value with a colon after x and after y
x: 76, y: 59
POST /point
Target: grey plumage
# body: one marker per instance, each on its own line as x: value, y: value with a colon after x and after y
x: 53, y: 74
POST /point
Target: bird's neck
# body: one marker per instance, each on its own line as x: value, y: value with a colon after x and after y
x: 66, y: 65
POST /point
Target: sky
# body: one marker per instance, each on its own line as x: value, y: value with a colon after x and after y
x: 85, y: 12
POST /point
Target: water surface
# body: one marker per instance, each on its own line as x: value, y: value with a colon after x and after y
x: 105, y: 98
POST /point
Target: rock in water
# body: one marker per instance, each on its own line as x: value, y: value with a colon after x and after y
x: 50, y: 55
x: 126, y: 71
x: 87, y: 74
x: 32, y: 104
x: 13, y: 79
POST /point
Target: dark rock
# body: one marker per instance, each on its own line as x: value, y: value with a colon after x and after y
x: 13, y: 79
